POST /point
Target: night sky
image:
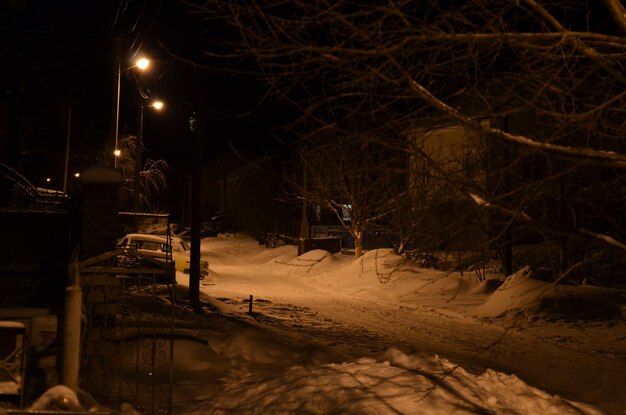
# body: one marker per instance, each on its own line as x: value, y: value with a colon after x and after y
x: 61, y: 54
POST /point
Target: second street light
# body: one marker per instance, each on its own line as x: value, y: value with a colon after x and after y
x: 157, y: 105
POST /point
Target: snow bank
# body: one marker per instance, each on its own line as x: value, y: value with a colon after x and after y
x: 488, y: 286
x: 381, y: 274
x: 248, y: 344
x: 58, y: 397
x: 521, y: 294
x: 9, y: 388
x: 396, y: 383
x: 375, y: 267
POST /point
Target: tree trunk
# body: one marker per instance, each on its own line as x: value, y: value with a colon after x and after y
x: 358, y: 243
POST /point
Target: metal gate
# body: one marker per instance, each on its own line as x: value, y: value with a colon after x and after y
x: 127, y: 348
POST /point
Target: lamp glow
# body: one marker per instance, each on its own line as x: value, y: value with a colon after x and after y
x: 142, y: 63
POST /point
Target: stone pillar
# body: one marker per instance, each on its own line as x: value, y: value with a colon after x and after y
x: 98, y: 193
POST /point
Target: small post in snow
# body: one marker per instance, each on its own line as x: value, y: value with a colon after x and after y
x: 250, y: 305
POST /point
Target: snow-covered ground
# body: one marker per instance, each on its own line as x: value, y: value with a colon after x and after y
x: 329, y: 334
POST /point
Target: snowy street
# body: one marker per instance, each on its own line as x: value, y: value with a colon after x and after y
x: 360, y: 309
x: 368, y: 329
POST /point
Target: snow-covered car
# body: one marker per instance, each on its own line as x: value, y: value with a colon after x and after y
x: 157, y: 246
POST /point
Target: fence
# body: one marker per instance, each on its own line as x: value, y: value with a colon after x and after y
x: 609, y: 271
x: 128, y: 342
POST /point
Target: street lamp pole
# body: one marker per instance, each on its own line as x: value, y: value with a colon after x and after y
x: 139, y: 151
x: 141, y: 64
x: 117, y: 109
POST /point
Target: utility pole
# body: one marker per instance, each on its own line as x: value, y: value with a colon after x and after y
x: 115, y: 102
x: 198, y: 131
x: 67, y: 146
x: 304, y: 222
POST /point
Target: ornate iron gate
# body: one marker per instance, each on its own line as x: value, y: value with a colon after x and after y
x: 128, y: 342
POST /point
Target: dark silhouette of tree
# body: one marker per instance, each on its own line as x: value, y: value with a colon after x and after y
x: 354, y: 176
x: 541, y: 82
x: 152, y: 179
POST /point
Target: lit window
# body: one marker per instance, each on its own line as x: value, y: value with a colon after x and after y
x: 345, y: 212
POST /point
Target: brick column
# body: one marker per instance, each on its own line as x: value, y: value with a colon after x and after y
x: 99, y: 188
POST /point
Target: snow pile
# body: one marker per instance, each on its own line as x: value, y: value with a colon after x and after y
x: 377, y: 266
x: 381, y: 274
x: 487, y: 286
x: 58, y: 397
x: 262, y: 255
x: 521, y: 294
x: 9, y: 388
x: 396, y: 383
x: 251, y: 345
x: 314, y: 261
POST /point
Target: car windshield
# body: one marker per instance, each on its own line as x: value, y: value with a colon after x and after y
x: 180, y: 246
x: 145, y: 245
x: 149, y: 245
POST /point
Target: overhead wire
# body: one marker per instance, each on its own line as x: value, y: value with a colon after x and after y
x: 120, y: 11
x: 134, y: 26
x: 142, y: 30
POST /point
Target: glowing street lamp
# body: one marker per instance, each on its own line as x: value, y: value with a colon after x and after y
x: 140, y: 63
x: 157, y: 105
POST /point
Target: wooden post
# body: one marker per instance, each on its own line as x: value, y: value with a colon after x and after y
x: 250, y: 305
